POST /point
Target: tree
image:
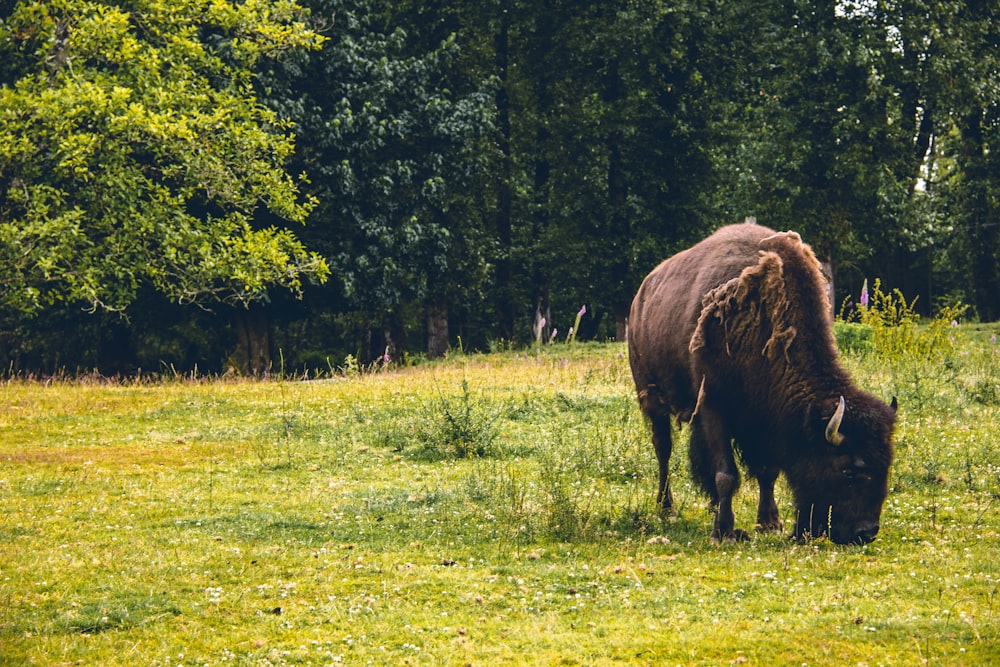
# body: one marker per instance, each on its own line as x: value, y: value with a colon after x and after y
x: 823, y: 143
x: 868, y: 126
x: 472, y: 167
x: 972, y: 143
x: 134, y: 153
x: 613, y: 108
x: 394, y: 120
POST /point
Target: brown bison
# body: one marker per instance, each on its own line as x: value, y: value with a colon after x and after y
x: 734, y: 336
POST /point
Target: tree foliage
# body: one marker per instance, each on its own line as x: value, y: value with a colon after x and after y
x: 396, y: 152
x: 133, y: 152
x: 474, y: 168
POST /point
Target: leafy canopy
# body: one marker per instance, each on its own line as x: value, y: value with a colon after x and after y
x: 134, y: 151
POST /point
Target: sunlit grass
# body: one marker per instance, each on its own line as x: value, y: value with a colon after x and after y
x: 489, y: 509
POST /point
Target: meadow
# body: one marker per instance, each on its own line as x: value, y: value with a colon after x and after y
x: 482, y: 510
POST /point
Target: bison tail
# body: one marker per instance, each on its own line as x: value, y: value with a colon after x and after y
x: 702, y: 468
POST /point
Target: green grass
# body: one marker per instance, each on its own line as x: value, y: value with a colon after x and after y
x: 493, y: 509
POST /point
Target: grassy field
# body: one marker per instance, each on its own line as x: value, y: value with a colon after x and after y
x: 493, y: 509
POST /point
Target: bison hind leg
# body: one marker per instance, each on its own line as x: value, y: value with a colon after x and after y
x: 663, y: 445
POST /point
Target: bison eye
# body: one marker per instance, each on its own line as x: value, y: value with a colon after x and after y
x: 849, y: 473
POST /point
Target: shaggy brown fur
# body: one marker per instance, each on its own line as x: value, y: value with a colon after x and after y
x: 734, y: 335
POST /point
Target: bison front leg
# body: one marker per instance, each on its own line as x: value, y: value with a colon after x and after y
x: 727, y: 483
x: 663, y: 444
x: 768, y: 519
x: 714, y: 468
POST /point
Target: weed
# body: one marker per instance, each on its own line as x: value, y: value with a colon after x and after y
x: 460, y: 427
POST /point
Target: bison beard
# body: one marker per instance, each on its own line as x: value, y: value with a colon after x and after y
x: 734, y: 336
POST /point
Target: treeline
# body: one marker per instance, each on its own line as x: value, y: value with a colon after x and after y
x: 248, y: 186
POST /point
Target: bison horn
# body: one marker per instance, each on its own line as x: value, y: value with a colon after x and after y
x: 833, y: 435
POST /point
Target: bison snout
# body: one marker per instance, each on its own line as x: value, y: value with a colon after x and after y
x: 866, y: 531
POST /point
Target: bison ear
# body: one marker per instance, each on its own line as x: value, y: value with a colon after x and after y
x: 833, y: 435
x: 894, y: 405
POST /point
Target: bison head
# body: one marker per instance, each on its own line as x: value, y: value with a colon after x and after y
x: 841, y: 486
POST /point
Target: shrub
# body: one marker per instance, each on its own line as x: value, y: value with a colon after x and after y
x: 460, y: 427
x: 853, y: 337
x: 886, y: 325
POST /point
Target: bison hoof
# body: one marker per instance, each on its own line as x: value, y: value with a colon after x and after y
x: 769, y: 527
x: 737, y: 535
x: 665, y: 500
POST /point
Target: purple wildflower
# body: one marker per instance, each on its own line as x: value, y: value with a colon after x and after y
x: 864, y: 294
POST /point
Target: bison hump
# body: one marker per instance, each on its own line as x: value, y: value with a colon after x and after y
x: 751, y: 312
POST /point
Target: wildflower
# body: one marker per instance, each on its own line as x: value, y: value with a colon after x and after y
x: 993, y: 339
x: 864, y: 294
x: 954, y: 323
x: 539, y: 328
x: 571, y: 336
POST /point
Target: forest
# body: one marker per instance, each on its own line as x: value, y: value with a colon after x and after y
x: 252, y: 187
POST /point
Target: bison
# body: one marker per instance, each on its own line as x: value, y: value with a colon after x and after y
x: 734, y: 336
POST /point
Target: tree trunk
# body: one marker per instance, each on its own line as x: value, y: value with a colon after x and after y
x: 619, y: 227
x: 540, y: 267
x: 539, y: 223
x: 394, y: 337
x: 827, y: 269
x: 621, y: 325
x: 542, y: 327
x: 253, y: 340
x: 437, y: 330
x: 504, y: 229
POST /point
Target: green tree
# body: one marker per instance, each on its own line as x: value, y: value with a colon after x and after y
x: 969, y: 171
x: 869, y: 126
x: 611, y: 110
x: 134, y: 153
x: 394, y: 118
x: 826, y: 128
x: 815, y: 127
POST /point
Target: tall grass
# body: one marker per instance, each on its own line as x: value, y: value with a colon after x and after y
x: 489, y: 509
